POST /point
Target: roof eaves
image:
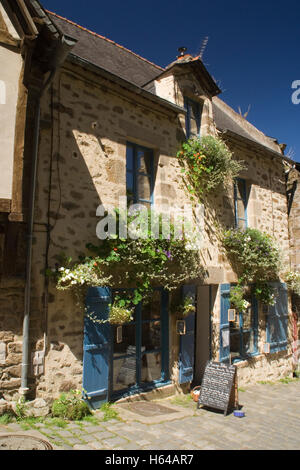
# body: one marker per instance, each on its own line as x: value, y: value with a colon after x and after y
x: 196, y: 63
x: 126, y: 84
x: 255, y: 142
x: 41, y: 13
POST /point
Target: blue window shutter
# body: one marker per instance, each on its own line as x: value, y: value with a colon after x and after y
x: 224, y: 323
x: 96, y: 346
x: 277, y: 320
x: 187, y: 341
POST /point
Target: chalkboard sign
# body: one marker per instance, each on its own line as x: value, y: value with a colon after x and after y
x: 218, y: 388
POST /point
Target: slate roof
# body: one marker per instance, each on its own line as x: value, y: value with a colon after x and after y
x: 235, y: 123
x: 107, y: 54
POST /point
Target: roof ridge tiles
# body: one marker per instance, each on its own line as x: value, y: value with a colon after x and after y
x: 103, y: 37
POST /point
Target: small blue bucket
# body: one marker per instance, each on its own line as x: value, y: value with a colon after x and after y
x: 239, y: 414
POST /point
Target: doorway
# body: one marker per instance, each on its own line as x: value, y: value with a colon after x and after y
x: 140, y: 349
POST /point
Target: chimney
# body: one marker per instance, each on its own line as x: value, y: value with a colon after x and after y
x: 182, y: 52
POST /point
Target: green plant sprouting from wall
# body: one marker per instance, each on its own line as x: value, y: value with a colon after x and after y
x: 292, y: 279
x: 256, y: 260
x: 207, y: 163
x: 139, y: 264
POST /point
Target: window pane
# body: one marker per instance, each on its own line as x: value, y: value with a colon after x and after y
x: 129, y: 157
x: 241, y: 189
x: 144, y: 161
x: 127, y: 344
x: 248, y: 341
x: 240, y: 207
x: 241, y: 224
x: 124, y: 372
x: 151, y: 310
x: 144, y: 187
x: 151, y: 367
x: 151, y: 335
x: 194, y: 128
x: 194, y: 116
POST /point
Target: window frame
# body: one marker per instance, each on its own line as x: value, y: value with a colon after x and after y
x: 135, y: 173
x: 187, y: 103
x: 254, y: 327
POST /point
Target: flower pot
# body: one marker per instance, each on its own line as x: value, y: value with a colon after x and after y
x: 195, y: 393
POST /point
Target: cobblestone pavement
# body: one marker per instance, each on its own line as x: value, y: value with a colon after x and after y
x: 272, y: 421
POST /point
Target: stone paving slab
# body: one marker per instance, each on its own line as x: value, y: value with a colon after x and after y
x: 272, y: 421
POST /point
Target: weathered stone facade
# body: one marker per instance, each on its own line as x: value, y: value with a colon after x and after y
x: 87, y: 118
x: 293, y: 191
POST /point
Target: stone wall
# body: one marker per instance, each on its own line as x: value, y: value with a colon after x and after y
x: 293, y: 187
x: 86, y: 122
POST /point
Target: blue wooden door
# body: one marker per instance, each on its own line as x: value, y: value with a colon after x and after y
x: 187, y: 341
x: 96, y: 346
x: 224, y: 323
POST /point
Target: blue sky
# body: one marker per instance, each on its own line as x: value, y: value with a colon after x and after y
x: 252, y: 51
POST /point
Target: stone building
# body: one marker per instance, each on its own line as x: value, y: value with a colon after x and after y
x: 293, y: 193
x: 94, y: 103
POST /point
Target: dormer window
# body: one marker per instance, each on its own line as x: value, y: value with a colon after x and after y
x: 193, y: 117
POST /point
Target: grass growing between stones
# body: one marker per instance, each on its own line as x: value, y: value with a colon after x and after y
x: 182, y: 400
x: 90, y: 419
x: 266, y: 382
x: 109, y: 412
x: 288, y: 380
x: 6, y: 418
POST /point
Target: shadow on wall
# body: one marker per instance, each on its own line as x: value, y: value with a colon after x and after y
x: 87, y: 168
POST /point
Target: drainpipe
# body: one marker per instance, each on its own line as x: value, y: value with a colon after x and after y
x: 61, y: 53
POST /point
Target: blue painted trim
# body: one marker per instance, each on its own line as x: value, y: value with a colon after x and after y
x: 279, y: 345
x: 224, y: 353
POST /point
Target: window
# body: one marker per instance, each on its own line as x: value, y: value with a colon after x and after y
x: 139, y: 175
x: 240, y: 203
x: 277, y: 319
x: 140, y: 353
x: 243, y: 332
x: 238, y: 339
x: 193, y: 118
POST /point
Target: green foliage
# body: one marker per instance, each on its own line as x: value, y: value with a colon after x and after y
x: 292, y: 279
x: 21, y: 409
x: 207, y: 163
x: 6, y: 418
x: 58, y: 422
x: 237, y: 294
x: 91, y: 419
x: 70, y: 406
x: 187, y: 307
x: 153, y: 259
x: 109, y: 412
x: 119, y: 314
x: 265, y: 293
x: 256, y: 259
x: 253, y: 255
x: 183, y: 400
